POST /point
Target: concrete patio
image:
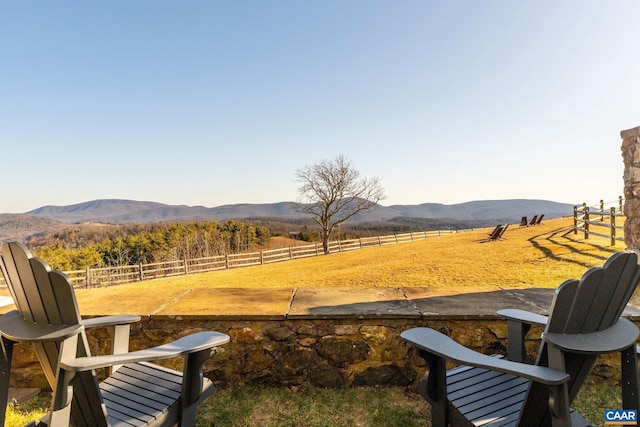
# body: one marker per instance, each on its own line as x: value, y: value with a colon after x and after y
x: 317, y: 303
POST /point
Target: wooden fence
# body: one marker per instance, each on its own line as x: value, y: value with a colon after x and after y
x: 108, y: 276
x: 607, y: 217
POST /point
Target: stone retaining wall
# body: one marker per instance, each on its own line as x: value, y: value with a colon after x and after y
x: 322, y: 353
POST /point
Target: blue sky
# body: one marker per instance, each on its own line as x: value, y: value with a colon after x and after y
x: 220, y: 102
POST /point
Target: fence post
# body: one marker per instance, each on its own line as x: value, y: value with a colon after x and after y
x: 226, y: 260
x: 601, y: 210
x: 360, y: 242
x: 379, y: 241
x: 186, y: 267
x: 613, y: 226
x: 261, y: 257
x: 620, y: 204
x: 317, y: 252
x: 396, y: 236
x: 86, y: 277
x: 141, y: 274
x: 586, y: 222
x: 575, y: 219
x: 290, y: 253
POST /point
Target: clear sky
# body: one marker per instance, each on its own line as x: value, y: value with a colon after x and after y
x: 220, y: 102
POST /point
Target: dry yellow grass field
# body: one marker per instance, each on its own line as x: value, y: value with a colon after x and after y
x: 538, y: 256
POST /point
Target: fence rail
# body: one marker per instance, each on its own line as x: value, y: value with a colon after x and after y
x: 109, y: 276
x: 585, y: 218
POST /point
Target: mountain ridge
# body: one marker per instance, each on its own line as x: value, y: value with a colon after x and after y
x: 126, y: 211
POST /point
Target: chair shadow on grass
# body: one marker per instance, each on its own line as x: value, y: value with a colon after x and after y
x: 554, y: 238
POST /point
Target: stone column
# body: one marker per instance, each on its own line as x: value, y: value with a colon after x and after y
x: 631, y: 156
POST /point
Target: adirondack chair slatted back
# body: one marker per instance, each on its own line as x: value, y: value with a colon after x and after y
x: 45, y: 296
x: 593, y: 303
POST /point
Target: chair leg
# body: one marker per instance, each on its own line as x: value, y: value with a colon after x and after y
x: 5, y: 372
x: 559, y: 406
x: 559, y: 394
x: 192, y: 385
x: 630, y: 385
x: 434, y: 388
x: 516, y: 333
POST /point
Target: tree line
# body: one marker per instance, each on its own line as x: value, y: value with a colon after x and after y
x: 105, y: 246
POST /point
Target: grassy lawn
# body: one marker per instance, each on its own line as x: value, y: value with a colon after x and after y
x: 385, y: 407
x: 312, y: 407
x: 538, y: 256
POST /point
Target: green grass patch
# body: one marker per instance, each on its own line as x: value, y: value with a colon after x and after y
x: 253, y: 406
x: 22, y: 413
x: 313, y: 407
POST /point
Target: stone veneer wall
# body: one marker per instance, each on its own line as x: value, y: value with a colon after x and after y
x: 322, y: 353
x: 631, y: 157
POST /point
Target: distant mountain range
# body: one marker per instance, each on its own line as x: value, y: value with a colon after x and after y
x: 126, y: 211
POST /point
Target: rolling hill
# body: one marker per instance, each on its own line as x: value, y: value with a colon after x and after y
x: 122, y: 211
x: 21, y: 226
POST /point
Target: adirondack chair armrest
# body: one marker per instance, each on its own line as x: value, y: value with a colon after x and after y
x: 17, y: 329
x: 619, y: 337
x: 434, y: 342
x: 183, y: 346
x: 523, y: 316
x: 121, y: 319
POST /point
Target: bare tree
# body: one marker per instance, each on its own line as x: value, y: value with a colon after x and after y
x: 333, y: 192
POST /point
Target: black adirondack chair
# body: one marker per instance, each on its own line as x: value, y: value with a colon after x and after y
x: 135, y: 393
x: 502, y: 231
x: 584, y: 322
x: 495, y: 233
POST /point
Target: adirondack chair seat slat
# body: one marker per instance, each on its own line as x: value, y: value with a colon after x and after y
x: 167, y: 378
x: 506, y: 421
x: 584, y: 322
x: 116, y: 403
x: 126, y: 414
x: 489, y: 410
x: 463, y: 384
x: 130, y: 391
x: 131, y: 399
x: 122, y: 420
x: 144, y: 383
x: 135, y: 393
x: 459, y: 384
x: 499, y: 381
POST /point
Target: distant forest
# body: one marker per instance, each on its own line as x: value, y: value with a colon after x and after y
x: 101, y: 245
x: 111, y: 245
